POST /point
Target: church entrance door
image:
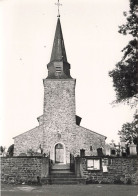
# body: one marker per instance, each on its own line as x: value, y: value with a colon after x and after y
x: 59, y: 153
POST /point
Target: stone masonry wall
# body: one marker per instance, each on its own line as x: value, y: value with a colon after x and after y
x: 23, y: 169
x: 58, y: 125
x: 59, y: 116
x: 59, y: 103
x: 121, y: 170
x: 86, y: 138
x: 28, y: 140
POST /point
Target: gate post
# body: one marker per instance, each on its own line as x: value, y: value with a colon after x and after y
x: 77, y: 166
x: 45, y: 167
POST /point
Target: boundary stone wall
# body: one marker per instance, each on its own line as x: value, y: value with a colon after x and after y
x: 24, y: 169
x: 121, y: 170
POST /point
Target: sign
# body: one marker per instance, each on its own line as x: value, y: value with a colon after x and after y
x: 93, y: 164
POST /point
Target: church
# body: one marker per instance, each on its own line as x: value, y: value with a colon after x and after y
x: 59, y: 133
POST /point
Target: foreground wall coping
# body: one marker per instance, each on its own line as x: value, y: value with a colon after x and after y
x: 87, y: 157
x: 113, y: 157
x: 26, y: 157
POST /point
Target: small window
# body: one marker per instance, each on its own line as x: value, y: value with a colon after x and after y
x: 93, y: 164
x: 90, y: 148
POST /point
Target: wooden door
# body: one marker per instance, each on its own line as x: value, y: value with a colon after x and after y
x: 59, y: 153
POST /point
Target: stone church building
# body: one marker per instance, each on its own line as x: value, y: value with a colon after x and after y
x: 59, y: 132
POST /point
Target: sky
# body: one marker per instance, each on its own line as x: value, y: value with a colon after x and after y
x: 93, y: 46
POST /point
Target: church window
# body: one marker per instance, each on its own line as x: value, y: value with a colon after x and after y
x: 90, y: 148
x: 59, y: 146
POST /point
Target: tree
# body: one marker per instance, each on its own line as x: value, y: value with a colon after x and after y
x: 125, y: 73
x: 10, y: 151
x: 2, y: 150
x: 129, y: 131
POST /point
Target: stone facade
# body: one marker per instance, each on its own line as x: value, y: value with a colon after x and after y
x: 28, y: 140
x: 58, y: 126
x: 86, y: 138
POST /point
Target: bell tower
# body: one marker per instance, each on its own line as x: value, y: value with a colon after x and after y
x: 59, y: 101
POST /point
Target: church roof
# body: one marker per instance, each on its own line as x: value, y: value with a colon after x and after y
x: 58, y: 67
x: 58, y: 51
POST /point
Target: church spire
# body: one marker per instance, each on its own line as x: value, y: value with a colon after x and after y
x: 58, y: 51
x: 58, y: 68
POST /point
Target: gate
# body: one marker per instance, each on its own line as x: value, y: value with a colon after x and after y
x: 72, y: 163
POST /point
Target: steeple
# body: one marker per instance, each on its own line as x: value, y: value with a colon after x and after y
x: 58, y: 67
x: 58, y: 51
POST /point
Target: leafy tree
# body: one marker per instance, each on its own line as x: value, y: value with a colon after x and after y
x: 10, y: 151
x: 2, y: 150
x: 129, y: 131
x: 125, y: 73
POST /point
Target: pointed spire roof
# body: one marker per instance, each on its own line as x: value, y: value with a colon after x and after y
x: 58, y: 51
x: 58, y: 67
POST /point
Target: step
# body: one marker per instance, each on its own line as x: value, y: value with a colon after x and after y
x: 58, y: 171
x: 64, y: 181
x: 60, y: 166
x: 62, y: 176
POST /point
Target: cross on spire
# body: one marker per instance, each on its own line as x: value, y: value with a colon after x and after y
x: 58, y: 4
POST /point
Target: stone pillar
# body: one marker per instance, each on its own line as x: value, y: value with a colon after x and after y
x: 107, y: 150
x: 123, y: 147
x: 123, y: 144
x: 132, y: 149
x: 45, y: 167
x: 77, y: 166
